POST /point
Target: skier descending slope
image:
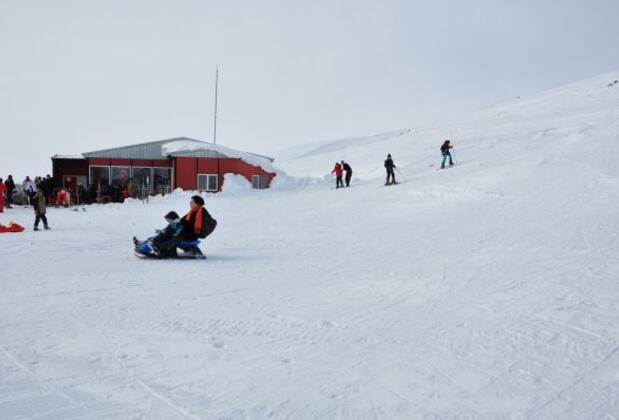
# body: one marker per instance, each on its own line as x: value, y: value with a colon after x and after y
x: 446, y: 152
x: 348, y: 170
x: 338, y: 171
x: 390, y: 167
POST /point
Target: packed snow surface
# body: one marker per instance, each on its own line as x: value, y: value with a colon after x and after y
x: 486, y: 291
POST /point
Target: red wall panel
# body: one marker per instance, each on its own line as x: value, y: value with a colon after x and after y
x: 163, y: 163
x: 188, y: 168
x: 64, y: 167
x: 186, y: 171
x: 99, y: 161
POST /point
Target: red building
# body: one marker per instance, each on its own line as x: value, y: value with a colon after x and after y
x: 161, y: 166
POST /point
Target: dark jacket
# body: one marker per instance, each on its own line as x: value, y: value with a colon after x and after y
x: 389, y: 164
x: 347, y: 168
x: 10, y: 186
x: 445, y: 148
x: 208, y: 225
x: 39, y: 203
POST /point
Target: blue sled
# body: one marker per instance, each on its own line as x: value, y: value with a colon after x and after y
x: 190, y: 250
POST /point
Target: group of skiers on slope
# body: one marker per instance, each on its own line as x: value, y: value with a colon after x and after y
x: 390, y: 167
x: 197, y: 223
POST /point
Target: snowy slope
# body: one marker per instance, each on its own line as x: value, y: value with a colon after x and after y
x: 488, y: 291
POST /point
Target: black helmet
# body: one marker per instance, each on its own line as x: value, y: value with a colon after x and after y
x: 172, y: 216
x: 198, y: 200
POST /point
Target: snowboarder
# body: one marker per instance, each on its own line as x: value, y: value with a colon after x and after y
x: 198, y: 223
x: 346, y: 167
x: 390, y: 167
x: 39, y: 209
x: 338, y: 171
x: 2, y: 194
x: 10, y: 187
x: 445, y: 151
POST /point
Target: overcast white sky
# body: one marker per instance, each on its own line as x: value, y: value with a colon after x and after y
x: 82, y: 75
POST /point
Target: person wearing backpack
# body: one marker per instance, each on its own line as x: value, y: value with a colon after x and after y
x: 198, y: 223
x: 390, y: 168
x: 446, y: 152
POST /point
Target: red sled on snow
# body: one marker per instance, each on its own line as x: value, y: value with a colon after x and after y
x: 11, y: 228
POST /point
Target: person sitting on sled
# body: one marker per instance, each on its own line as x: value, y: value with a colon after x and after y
x: 173, y: 229
x: 198, y: 223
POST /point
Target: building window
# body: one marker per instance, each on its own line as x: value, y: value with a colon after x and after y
x: 142, y: 178
x: 99, y: 175
x: 260, y: 182
x: 208, y: 182
x: 120, y: 175
x: 162, y: 178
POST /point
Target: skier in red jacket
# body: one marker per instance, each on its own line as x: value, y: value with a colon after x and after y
x: 338, y: 171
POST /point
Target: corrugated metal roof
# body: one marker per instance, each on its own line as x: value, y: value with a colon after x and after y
x: 152, y: 150
x: 199, y: 153
x: 148, y: 150
x: 69, y: 157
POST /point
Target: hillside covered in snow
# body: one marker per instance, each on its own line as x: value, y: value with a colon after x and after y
x: 486, y: 291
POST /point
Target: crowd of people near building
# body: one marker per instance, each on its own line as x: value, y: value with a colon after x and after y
x: 31, y: 191
x: 36, y: 193
x: 70, y: 193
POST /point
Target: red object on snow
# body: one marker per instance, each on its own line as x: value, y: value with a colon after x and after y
x: 62, y: 198
x: 338, y: 170
x: 13, y: 228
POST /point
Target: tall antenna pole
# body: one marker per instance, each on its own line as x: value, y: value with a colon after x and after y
x: 215, y: 115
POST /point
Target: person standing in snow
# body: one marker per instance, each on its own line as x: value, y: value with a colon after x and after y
x: 39, y: 210
x: 48, y: 189
x: 10, y: 187
x: 446, y: 152
x: 2, y: 194
x: 28, y: 189
x: 338, y: 171
x: 390, y: 167
x: 348, y: 170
